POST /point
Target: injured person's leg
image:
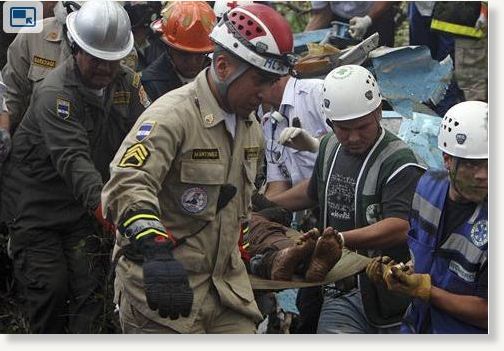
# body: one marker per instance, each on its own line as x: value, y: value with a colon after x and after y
x: 327, y: 253
x: 275, y: 256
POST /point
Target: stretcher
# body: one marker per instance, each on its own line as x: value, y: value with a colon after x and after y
x: 351, y: 263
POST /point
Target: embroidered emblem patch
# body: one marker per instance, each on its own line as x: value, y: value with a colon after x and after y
x: 205, y: 154
x: 144, y: 130
x: 63, y: 108
x: 194, y: 200
x: 373, y: 213
x: 136, y: 80
x: 121, y: 98
x: 479, y: 233
x: 134, y: 157
x: 143, y: 97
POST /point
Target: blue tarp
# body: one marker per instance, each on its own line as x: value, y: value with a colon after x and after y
x: 408, y: 76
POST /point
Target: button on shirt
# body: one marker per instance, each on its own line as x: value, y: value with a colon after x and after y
x: 301, y: 99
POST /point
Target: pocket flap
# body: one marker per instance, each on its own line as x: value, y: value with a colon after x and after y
x: 202, y: 173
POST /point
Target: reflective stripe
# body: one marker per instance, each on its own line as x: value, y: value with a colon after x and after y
x: 139, y: 216
x: 369, y: 188
x: 456, y: 29
x: 426, y: 210
x: 403, y: 167
x: 459, y: 243
x: 151, y: 231
x: 140, y: 225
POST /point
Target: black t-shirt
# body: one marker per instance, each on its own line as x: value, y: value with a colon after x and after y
x: 397, y: 194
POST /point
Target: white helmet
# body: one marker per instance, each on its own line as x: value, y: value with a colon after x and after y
x: 349, y: 92
x: 102, y: 29
x: 259, y: 35
x: 464, y: 130
x: 223, y: 6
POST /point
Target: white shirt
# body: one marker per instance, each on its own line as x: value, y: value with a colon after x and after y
x: 301, y: 99
x: 345, y: 9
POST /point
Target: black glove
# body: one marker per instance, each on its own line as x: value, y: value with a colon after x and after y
x: 166, y: 283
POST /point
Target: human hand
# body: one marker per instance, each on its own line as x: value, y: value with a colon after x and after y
x: 377, y: 267
x: 5, y: 144
x: 299, y: 139
x: 412, y: 284
x: 108, y: 226
x: 359, y: 26
x: 166, y: 282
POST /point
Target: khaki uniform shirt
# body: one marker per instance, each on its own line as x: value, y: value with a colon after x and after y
x: 174, y: 162
x: 30, y: 58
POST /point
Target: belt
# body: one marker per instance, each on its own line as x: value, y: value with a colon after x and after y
x: 341, y: 286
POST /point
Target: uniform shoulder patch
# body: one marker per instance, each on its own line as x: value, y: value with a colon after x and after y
x: 144, y: 130
x: 135, y: 156
x: 63, y: 107
x: 143, y: 97
x: 136, y: 80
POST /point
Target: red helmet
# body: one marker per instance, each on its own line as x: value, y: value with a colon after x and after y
x: 187, y: 24
x: 259, y: 35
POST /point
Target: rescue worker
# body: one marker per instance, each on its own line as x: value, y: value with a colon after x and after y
x: 181, y: 184
x: 31, y: 57
x: 448, y: 272
x: 364, y: 18
x: 186, y: 26
x: 364, y: 179
x: 466, y: 22
x: 147, y: 42
x: 60, y: 159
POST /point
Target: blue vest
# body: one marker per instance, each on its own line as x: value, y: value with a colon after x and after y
x: 453, y: 264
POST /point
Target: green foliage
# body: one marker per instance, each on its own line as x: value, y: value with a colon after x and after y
x: 297, y: 13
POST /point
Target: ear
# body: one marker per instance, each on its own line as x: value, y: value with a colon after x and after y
x: 447, y: 160
x: 223, y: 67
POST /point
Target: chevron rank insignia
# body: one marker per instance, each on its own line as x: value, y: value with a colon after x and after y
x: 134, y: 157
x: 63, y: 108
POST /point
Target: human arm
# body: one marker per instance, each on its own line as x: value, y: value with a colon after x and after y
x: 470, y: 309
x: 360, y: 25
x: 467, y: 308
x: 130, y: 199
x: 383, y: 234
x: 320, y: 17
x: 276, y: 187
x: 15, y: 75
x: 296, y: 198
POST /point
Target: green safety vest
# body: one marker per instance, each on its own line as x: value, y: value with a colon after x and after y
x: 388, y: 156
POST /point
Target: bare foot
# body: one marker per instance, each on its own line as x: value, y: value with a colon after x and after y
x: 326, y: 254
x: 288, y: 259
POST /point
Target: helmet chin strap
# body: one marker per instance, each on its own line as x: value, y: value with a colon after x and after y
x: 223, y: 85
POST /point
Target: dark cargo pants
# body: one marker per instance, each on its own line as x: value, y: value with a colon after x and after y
x: 60, y: 277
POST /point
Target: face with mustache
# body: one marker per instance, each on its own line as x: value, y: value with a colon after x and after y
x: 468, y: 179
x: 95, y: 72
x: 358, y: 135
